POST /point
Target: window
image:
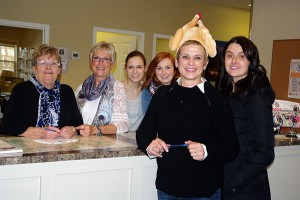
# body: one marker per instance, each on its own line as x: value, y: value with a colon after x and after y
x: 7, y: 58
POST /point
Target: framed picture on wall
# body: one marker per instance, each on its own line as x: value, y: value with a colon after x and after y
x: 214, y: 64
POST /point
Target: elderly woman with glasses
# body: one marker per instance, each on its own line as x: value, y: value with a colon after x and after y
x: 42, y: 107
x: 102, y: 99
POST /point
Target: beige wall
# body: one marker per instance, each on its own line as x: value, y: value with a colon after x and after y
x: 274, y: 20
x: 72, y: 21
x: 162, y: 44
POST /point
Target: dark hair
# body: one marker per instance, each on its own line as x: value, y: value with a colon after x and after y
x: 256, y: 72
x: 135, y: 54
x: 150, y: 74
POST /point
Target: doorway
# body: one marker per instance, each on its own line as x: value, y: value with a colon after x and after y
x: 23, y: 37
x: 160, y: 44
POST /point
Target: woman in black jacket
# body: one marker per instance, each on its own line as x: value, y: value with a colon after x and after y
x: 42, y: 107
x: 243, y: 79
x: 189, y: 128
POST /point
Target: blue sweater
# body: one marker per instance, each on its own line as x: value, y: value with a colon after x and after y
x: 145, y: 100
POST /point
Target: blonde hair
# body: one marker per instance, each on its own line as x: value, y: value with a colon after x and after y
x: 109, y: 47
x: 189, y: 42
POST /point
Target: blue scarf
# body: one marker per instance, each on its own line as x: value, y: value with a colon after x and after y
x: 49, y: 104
x: 104, y: 91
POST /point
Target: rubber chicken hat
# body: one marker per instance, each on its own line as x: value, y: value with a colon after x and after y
x: 194, y: 30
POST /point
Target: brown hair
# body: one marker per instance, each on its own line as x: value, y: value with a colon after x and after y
x: 150, y: 74
x: 45, y: 49
x: 135, y: 53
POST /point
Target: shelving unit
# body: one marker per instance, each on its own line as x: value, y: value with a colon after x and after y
x: 7, y: 60
x: 24, y: 69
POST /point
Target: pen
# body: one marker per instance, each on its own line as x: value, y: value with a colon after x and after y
x: 49, y: 129
x: 178, y: 145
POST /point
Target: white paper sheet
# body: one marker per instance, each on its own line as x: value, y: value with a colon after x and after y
x: 7, y: 150
x: 55, y: 141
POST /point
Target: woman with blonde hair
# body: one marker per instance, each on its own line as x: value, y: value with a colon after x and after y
x: 189, y: 129
x: 101, y: 99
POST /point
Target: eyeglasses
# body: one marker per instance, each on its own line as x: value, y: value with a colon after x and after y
x: 99, y: 59
x: 45, y: 64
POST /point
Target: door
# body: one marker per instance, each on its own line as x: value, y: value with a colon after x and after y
x: 124, y: 44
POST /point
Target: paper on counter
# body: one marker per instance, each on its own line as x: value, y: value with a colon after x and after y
x: 5, y: 145
x: 7, y: 150
x: 56, y: 141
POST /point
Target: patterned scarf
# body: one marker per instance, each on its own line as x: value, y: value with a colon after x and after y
x: 153, y: 87
x: 49, y: 104
x: 104, y: 91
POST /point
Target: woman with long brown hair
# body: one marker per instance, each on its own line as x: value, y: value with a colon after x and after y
x: 161, y: 71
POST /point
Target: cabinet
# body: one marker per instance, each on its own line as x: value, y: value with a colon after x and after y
x: 7, y: 60
x: 126, y: 178
x: 284, y: 173
x: 24, y: 63
x: 15, y: 62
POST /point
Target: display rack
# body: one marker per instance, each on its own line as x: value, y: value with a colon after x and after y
x: 24, y: 62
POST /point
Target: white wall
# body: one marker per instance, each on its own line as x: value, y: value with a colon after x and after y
x: 274, y: 20
x: 284, y: 173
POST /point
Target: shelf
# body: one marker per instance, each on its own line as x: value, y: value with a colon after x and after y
x: 8, y: 61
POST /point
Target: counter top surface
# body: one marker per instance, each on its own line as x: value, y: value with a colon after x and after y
x: 121, y: 145
x: 282, y: 140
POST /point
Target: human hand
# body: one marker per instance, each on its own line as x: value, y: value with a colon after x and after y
x: 68, y: 132
x: 86, y: 130
x: 51, y: 132
x: 157, y: 147
x: 196, y: 150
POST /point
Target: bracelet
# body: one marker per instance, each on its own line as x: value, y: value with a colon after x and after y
x: 99, y: 130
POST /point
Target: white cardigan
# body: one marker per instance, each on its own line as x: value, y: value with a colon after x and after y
x: 119, y: 108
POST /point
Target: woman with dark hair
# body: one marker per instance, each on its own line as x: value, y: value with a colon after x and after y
x: 161, y: 71
x: 244, y: 81
x: 135, y: 66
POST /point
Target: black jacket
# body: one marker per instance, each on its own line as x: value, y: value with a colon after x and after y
x: 22, y: 108
x: 177, y: 114
x: 247, y: 176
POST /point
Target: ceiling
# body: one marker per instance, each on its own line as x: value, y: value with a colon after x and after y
x: 244, y: 4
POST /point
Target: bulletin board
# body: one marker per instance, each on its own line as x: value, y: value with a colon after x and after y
x: 283, y: 52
